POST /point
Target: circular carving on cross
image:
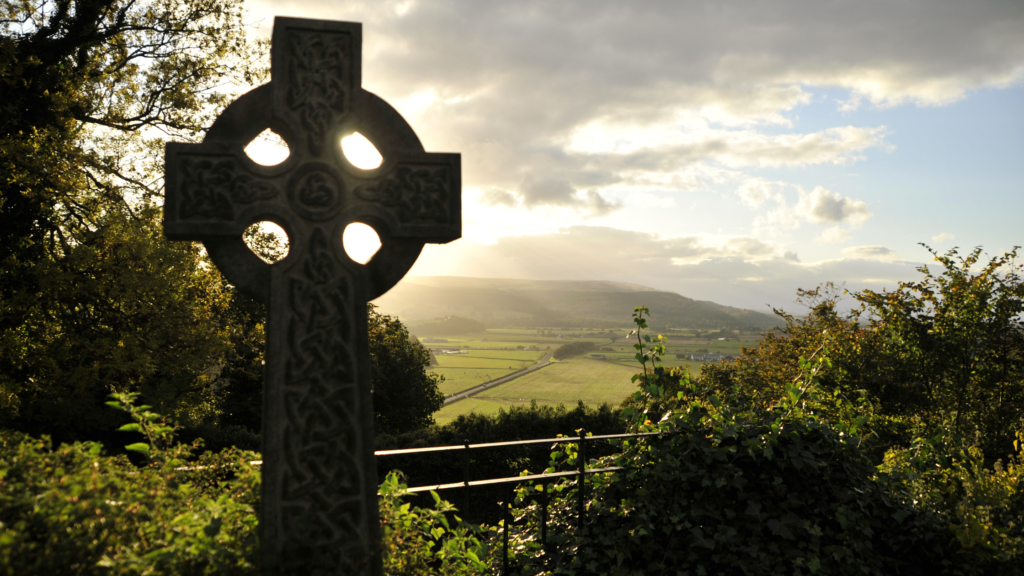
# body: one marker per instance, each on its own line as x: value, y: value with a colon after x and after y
x: 315, y: 192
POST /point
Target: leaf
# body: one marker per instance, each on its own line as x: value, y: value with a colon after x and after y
x: 133, y: 427
x: 213, y: 528
x: 138, y: 447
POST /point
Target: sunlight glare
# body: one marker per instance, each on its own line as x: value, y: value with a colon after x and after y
x: 361, y: 242
x: 361, y: 152
x: 267, y: 149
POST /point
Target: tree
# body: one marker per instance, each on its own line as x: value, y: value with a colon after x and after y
x: 450, y: 326
x: 83, y: 82
x: 93, y: 298
x: 943, y: 353
x: 123, y: 310
x: 762, y: 372
x: 405, y: 395
x: 954, y: 342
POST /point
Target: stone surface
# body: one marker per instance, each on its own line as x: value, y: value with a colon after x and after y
x: 319, y: 505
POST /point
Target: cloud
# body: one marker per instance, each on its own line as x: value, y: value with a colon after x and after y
x: 738, y: 271
x: 834, y: 235
x: 496, y: 197
x: 547, y: 191
x: 826, y: 207
x: 594, y: 93
x: 755, y: 191
x: 874, y: 252
x: 535, y: 191
x: 943, y: 237
x: 645, y: 200
x: 598, y: 204
x: 819, y: 206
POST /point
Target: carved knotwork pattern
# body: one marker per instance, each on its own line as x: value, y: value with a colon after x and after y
x: 413, y: 192
x: 321, y: 482
x: 211, y: 187
x: 320, y: 73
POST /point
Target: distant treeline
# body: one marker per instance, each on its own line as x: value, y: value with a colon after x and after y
x: 572, y: 349
x: 449, y: 326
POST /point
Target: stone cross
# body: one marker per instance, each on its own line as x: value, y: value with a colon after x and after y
x: 319, y: 497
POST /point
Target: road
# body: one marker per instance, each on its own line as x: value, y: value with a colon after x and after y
x: 497, y: 381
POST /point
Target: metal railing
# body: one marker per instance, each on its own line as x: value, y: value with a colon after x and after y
x: 509, y: 482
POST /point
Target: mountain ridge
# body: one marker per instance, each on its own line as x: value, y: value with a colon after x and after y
x: 507, y: 302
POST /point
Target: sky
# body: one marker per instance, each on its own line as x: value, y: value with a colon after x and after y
x: 727, y: 151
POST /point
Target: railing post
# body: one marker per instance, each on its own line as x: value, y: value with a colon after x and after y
x: 544, y: 518
x: 581, y: 457
x: 465, y: 479
x: 507, y: 505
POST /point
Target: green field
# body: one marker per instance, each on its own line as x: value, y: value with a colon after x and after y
x: 622, y: 350
x: 463, y: 371
x: 493, y: 354
x: 593, y: 381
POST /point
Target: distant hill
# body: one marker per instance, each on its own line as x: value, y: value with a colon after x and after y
x: 501, y: 302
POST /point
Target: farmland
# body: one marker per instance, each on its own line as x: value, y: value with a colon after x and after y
x: 496, y: 353
x: 462, y: 371
x: 592, y: 381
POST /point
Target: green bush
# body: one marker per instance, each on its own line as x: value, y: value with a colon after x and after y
x: 734, y: 487
x: 74, y: 510
x: 983, y: 507
x: 420, y: 541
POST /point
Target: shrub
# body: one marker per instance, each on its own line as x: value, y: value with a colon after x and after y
x: 74, y: 510
x: 735, y: 487
x: 422, y: 541
x: 983, y: 507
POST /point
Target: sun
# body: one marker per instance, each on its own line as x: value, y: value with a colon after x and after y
x: 360, y: 241
x: 361, y: 152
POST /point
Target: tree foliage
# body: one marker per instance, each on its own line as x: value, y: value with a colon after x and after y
x: 734, y: 486
x: 122, y: 311
x: 572, y: 349
x: 93, y: 299
x: 953, y: 343
x: 448, y: 326
x: 944, y: 352
x: 83, y: 82
x: 405, y: 394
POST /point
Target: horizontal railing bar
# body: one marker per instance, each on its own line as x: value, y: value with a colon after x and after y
x: 613, y: 436
x: 513, y: 479
x: 514, y: 443
x: 416, y: 450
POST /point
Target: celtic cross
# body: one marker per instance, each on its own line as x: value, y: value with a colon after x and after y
x: 319, y: 497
